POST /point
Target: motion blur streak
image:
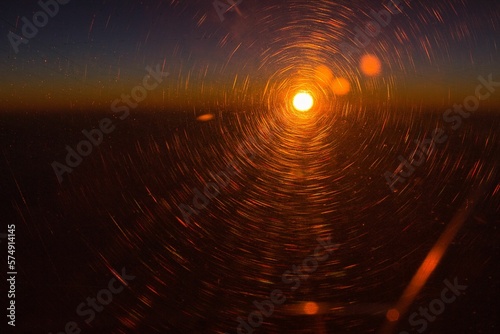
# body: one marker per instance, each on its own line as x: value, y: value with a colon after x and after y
x: 433, y: 258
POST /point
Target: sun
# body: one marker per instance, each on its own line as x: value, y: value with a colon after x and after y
x: 303, y: 101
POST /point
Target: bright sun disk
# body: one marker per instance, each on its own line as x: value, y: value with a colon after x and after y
x: 303, y: 101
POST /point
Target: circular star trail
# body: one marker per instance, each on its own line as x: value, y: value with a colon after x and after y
x: 275, y: 131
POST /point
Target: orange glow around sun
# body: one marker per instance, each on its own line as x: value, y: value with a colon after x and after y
x: 323, y: 73
x: 370, y: 65
x: 340, y: 86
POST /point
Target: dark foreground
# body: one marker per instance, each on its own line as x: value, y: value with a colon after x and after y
x: 126, y: 243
